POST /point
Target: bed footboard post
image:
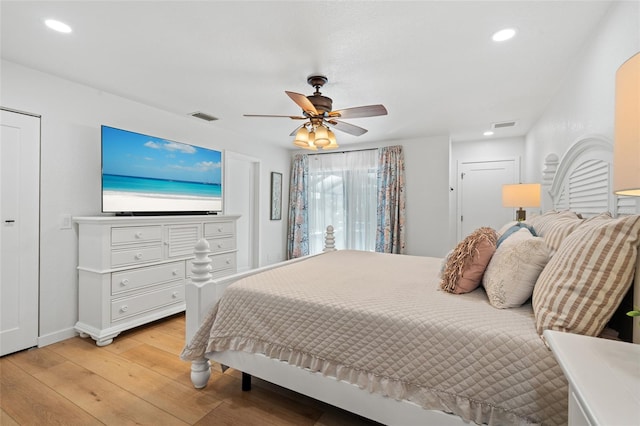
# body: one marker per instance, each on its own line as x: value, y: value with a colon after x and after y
x: 329, y: 240
x: 200, y: 373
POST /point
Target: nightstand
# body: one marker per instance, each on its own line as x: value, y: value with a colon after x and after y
x: 603, y: 376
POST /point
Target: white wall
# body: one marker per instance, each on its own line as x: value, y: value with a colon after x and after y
x: 584, y: 104
x: 70, y: 172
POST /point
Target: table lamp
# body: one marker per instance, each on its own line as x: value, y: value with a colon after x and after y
x: 521, y: 195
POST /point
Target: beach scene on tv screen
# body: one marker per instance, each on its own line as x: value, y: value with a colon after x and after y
x: 142, y: 173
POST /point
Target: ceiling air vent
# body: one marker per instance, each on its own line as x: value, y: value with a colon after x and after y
x: 503, y: 125
x: 203, y: 116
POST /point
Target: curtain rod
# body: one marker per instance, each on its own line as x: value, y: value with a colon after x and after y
x: 344, y: 152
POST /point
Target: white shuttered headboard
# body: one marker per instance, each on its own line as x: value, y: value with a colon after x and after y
x: 582, y: 182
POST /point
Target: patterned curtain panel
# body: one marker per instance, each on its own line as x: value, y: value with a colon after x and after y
x: 390, y: 234
x: 298, y: 232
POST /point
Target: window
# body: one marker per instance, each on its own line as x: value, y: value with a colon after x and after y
x: 343, y: 193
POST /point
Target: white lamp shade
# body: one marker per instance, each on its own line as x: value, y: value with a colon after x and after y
x: 626, y: 149
x: 521, y: 195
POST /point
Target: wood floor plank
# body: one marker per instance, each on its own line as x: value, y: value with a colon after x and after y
x: 178, y: 398
x: 140, y: 379
x: 157, y: 337
x: 37, y: 359
x: 6, y: 419
x: 103, y: 399
x: 261, y: 400
x: 121, y: 344
x: 27, y: 401
x: 169, y: 365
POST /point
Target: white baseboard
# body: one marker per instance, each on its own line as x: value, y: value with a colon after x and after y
x: 58, y: 336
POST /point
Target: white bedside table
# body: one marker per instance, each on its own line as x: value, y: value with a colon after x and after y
x: 604, y: 378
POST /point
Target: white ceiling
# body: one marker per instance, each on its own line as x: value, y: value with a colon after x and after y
x: 431, y: 63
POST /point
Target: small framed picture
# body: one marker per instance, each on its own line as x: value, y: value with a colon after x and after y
x: 276, y: 196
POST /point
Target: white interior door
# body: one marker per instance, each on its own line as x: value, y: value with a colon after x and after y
x: 241, y: 183
x: 19, y: 230
x: 480, y: 194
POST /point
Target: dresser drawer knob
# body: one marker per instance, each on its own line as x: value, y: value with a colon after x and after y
x: 124, y: 282
x: 174, y: 272
x: 220, y: 245
x: 124, y: 308
x: 139, y: 234
x: 138, y: 256
x: 174, y: 294
x: 228, y: 261
x: 220, y: 229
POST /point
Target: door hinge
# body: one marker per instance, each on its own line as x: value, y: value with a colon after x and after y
x: 462, y: 175
x: 461, y: 218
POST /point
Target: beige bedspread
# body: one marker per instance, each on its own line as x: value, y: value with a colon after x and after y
x: 381, y: 322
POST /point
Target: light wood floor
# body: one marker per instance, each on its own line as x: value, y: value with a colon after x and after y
x: 139, y: 379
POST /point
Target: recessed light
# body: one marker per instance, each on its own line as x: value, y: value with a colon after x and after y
x: 61, y: 27
x: 488, y: 133
x: 504, y: 34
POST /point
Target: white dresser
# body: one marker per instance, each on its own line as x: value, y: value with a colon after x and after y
x: 132, y: 270
x: 604, y: 378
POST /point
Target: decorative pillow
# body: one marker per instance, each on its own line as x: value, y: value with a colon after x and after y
x: 582, y: 285
x: 506, y: 227
x: 514, y: 269
x: 466, y: 264
x: 515, y: 228
x: 555, y: 226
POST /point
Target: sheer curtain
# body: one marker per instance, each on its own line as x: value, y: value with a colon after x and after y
x: 342, y: 191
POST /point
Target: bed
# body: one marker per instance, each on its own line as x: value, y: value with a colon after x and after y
x: 341, y: 326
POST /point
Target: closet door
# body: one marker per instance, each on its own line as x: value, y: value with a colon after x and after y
x: 480, y: 194
x: 19, y: 230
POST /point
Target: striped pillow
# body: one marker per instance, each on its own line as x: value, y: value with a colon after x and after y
x: 583, y: 283
x: 555, y: 226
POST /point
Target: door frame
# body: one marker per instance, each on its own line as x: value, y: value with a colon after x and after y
x: 38, y: 179
x: 254, y: 219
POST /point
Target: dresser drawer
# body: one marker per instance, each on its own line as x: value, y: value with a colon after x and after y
x: 146, y: 302
x: 220, y: 228
x: 223, y: 261
x: 135, y: 256
x: 144, y: 277
x: 135, y: 234
x: 221, y: 244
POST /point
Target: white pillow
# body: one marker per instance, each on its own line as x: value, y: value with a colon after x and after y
x: 514, y: 269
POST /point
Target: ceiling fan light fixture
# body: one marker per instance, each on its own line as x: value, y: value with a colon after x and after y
x: 302, y: 136
x: 303, y: 140
x: 311, y: 143
x: 321, y: 137
x: 333, y: 143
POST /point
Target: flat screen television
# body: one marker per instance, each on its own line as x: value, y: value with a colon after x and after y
x: 147, y: 175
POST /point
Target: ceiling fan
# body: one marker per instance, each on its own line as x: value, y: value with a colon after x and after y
x: 316, y: 109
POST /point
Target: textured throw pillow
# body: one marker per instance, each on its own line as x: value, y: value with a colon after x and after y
x: 555, y: 226
x: 514, y: 269
x: 582, y: 285
x: 467, y: 262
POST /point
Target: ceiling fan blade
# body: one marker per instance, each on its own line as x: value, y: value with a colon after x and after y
x: 358, y: 112
x: 347, y: 128
x: 293, y: 117
x: 303, y: 102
